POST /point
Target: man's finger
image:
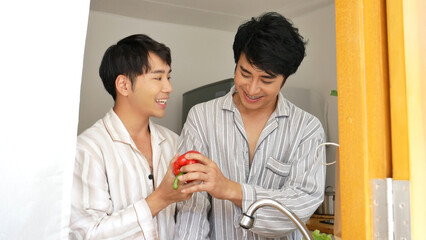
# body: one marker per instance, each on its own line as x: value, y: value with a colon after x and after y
x: 174, y: 158
x: 193, y: 176
x: 196, y: 167
x: 199, y: 157
x: 193, y: 189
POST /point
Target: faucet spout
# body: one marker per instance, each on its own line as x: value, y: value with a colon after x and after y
x: 247, y: 219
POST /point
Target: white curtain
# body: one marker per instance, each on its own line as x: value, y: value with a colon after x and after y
x: 41, y: 60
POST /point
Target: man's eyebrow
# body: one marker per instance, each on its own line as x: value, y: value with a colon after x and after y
x: 269, y: 76
x: 160, y: 71
x: 244, y: 70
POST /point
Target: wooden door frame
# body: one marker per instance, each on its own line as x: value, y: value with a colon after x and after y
x: 363, y: 105
x: 381, y: 72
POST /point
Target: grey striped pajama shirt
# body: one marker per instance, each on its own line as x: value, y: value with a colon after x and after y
x: 283, y: 168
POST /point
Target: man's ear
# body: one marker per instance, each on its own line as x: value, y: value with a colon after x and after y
x: 123, y: 85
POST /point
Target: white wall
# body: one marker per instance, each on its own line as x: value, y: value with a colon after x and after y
x: 201, y: 56
x: 318, y: 72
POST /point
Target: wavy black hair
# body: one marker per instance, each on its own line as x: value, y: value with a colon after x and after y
x: 130, y: 58
x: 271, y: 43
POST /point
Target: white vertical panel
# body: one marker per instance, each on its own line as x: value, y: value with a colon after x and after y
x: 41, y: 58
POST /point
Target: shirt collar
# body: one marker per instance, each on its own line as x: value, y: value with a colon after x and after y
x: 282, y: 109
x: 119, y: 133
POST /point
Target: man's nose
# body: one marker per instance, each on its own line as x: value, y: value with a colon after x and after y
x: 167, y: 86
x: 253, y: 87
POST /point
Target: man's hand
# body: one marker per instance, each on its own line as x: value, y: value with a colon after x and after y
x: 213, y: 181
x: 165, y: 195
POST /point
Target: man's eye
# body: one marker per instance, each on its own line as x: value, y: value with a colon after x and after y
x: 266, y: 82
x: 244, y: 75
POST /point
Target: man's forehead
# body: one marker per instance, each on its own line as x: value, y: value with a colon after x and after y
x: 156, y: 64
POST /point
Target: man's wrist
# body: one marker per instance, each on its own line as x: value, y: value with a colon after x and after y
x: 236, y: 193
x: 156, y: 202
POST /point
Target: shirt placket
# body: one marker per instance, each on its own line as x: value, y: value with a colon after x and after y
x: 246, y: 157
x: 146, y: 169
x: 244, y: 150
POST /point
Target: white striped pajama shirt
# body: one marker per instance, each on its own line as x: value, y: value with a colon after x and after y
x: 111, y: 183
x: 283, y: 168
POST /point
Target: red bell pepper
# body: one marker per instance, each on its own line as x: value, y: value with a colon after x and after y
x: 181, y: 161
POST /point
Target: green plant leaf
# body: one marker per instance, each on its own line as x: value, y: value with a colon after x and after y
x: 320, y: 236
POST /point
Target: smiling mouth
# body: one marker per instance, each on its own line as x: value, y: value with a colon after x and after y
x: 251, y: 97
x: 161, y: 101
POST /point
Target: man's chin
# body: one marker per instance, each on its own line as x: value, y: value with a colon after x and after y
x: 159, y: 115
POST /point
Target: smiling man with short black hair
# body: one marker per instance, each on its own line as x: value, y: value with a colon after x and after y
x: 254, y: 143
x: 123, y: 178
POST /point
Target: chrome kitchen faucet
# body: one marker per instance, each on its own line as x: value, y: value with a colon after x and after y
x: 247, y: 219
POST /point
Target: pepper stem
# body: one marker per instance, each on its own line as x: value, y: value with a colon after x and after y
x: 175, y: 183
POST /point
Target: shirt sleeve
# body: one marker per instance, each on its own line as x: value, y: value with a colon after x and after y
x: 192, y: 215
x: 302, y: 192
x: 92, y: 212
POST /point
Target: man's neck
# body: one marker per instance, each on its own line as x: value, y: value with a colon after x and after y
x: 135, y: 124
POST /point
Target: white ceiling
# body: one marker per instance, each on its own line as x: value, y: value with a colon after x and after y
x: 218, y: 14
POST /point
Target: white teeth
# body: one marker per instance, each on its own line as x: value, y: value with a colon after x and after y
x: 252, y: 97
x: 161, y: 101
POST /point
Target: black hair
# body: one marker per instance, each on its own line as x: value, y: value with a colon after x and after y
x: 271, y: 43
x: 130, y: 58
